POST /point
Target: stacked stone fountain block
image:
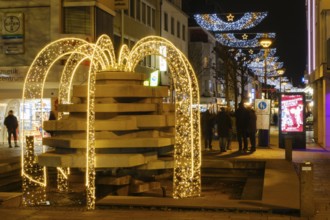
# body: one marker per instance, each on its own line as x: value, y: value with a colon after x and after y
x: 133, y: 127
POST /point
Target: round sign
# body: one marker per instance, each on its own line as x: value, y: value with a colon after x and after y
x: 11, y: 24
x: 262, y: 105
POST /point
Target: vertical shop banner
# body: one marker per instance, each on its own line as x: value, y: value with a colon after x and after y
x: 292, y: 112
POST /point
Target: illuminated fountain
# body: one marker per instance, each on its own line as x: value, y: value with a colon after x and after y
x: 95, y: 100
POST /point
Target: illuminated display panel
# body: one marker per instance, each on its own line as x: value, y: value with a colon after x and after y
x: 292, y: 113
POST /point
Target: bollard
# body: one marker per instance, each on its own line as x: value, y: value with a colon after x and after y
x: 307, y: 206
x: 288, y: 148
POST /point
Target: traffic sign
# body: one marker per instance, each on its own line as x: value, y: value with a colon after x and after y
x: 262, y: 106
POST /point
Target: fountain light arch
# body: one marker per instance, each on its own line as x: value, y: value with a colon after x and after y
x: 187, y: 155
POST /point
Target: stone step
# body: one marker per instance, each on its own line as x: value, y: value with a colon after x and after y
x: 11, y: 182
x: 101, y: 160
x: 10, y: 199
x: 157, y: 164
x: 115, y: 181
x: 144, y: 187
x: 10, y: 165
x: 110, y: 107
x: 118, y: 75
x: 121, y: 90
x: 142, y: 142
x: 118, y: 123
x: 145, y: 133
x: 253, y: 189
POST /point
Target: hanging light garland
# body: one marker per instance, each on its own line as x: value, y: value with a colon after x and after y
x: 213, y: 22
x: 245, y: 41
x: 261, y: 53
x: 272, y: 65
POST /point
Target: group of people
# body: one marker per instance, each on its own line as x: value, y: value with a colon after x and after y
x: 245, y: 122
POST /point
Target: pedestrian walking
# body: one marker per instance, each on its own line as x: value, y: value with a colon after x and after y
x: 252, y: 129
x: 207, y: 129
x: 242, y: 124
x: 224, y: 127
x: 11, y: 124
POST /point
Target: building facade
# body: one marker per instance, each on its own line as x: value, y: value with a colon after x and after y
x: 203, y: 58
x: 318, y: 69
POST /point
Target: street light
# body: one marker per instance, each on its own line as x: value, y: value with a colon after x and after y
x: 265, y: 43
x: 280, y: 73
x: 264, y: 133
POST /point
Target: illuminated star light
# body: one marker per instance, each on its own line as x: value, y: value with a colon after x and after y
x: 260, y: 54
x: 230, y: 17
x: 230, y: 40
x: 212, y: 22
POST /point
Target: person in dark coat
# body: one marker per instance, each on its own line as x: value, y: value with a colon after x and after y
x: 224, y: 127
x: 242, y: 124
x: 207, y: 129
x: 252, y: 129
x: 11, y: 124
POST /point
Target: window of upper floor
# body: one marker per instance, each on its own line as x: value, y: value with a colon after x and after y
x: 165, y: 21
x: 172, y: 26
x: 142, y: 11
x: 77, y: 20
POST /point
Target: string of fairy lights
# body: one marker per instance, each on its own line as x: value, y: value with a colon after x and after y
x: 223, y: 24
x: 245, y: 40
x: 187, y: 149
x: 213, y: 22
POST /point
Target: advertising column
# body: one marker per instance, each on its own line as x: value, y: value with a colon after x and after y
x: 262, y: 107
x: 292, y: 119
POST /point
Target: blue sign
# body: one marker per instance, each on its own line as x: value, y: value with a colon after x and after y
x: 262, y: 105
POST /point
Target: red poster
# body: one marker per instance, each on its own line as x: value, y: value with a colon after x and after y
x: 292, y: 107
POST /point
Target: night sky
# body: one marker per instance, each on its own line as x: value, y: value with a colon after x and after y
x: 287, y: 18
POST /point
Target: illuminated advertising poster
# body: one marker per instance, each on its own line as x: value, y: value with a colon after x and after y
x: 292, y: 113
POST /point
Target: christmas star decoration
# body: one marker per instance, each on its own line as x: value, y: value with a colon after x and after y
x: 230, y: 17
